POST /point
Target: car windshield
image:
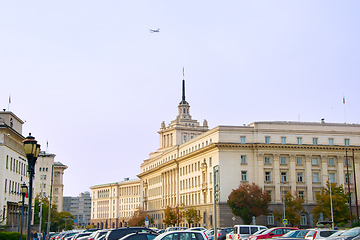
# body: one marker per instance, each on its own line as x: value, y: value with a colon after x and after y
x: 267, y: 231
x: 289, y: 234
x: 259, y: 232
x: 352, y: 232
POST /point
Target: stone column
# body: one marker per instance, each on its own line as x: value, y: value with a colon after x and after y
x: 308, y: 177
x: 277, y: 180
x: 259, y: 168
x: 293, y: 174
x: 340, y: 167
x: 324, y: 169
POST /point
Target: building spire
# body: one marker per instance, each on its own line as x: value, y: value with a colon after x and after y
x: 183, y: 87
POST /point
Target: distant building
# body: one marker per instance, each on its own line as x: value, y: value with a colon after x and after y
x: 278, y: 156
x: 80, y: 207
x: 13, y: 167
x: 42, y: 180
x: 113, y: 204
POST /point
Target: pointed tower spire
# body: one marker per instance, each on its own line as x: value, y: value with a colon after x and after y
x: 184, y: 107
x: 183, y: 86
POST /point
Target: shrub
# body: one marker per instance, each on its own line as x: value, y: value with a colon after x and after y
x: 11, y: 236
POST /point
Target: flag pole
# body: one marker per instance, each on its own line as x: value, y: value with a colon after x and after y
x: 344, y: 108
x: 9, y: 102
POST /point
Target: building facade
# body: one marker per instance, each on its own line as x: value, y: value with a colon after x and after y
x: 13, y: 170
x: 278, y: 156
x: 79, y: 207
x: 113, y: 204
x: 49, y: 173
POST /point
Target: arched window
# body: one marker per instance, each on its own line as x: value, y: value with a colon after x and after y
x: 270, y: 219
x: 303, y: 220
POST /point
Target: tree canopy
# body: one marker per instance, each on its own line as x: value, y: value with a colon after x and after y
x: 171, y: 216
x: 138, y: 219
x: 293, y: 209
x: 339, y: 201
x: 249, y: 200
x: 191, y: 215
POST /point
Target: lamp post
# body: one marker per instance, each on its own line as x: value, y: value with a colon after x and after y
x: 331, y: 202
x: 23, y: 193
x: 32, y: 150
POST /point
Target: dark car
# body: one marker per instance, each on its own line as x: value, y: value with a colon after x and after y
x: 223, y: 232
x: 140, y: 236
x: 293, y: 235
x: 97, y: 234
x: 117, y: 233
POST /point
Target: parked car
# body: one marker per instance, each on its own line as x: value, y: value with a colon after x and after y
x: 272, y: 232
x: 319, y: 233
x: 169, y: 229
x: 182, y: 235
x: 81, y: 235
x: 293, y: 235
x: 117, y: 233
x: 335, y: 235
x: 197, y: 229
x: 96, y: 235
x: 140, y: 236
x: 256, y: 233
x: 223, y: 232
x: 210, y: 233
x: 229, y: 236
x: 244, y: 231
x: 353, y: 233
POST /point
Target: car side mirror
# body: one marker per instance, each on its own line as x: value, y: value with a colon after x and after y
x: 271, y: 234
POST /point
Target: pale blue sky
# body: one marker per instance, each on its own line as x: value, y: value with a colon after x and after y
x: 90, y: 78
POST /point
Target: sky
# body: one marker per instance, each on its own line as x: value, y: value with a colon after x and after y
x: 90, y: 79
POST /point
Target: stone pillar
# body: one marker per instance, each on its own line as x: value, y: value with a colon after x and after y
x: 308, y: 177
x: 259, y: 168
x: 277, y: 180
x: 341, y: 174
x: 293, y: 174
x: 324, y: 169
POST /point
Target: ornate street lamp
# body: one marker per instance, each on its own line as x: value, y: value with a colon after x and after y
x: 23, y: 190
x: 32, y: 150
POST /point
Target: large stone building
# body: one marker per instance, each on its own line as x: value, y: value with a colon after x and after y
x: 13, y: 170
x: 278, y: 156
x: 79, y: 207
x: 113, y: 204
x: 46, y: 167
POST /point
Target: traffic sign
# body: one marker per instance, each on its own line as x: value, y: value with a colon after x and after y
x: 233, y: 218
x: 285, y: 222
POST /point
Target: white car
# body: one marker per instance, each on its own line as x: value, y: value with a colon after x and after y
x: 182, y: 235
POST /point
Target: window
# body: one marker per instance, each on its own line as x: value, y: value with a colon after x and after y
x: 315, y: 177
x: 300, y: 177
x: 5, y: 185
x: 267, y: 160
x: 283, y: 140
x: 184, y: 138
x: 299, y: 161
x: 283, y: 177
x: 347, y: 142
x: 332, y: 177
x: 283, y: 160
x: 331, y: 141
x: 347, y: 162
x: 243, y: 158
x: 56, y: 174
x: 7, y: 162
x: 267, y: 176
x: 301, y: 194
x: 331, y: 161
x: 242, y: 139
x: 315, y: 141
x: 243, y: 176
x: 267, y: 139
x: 210, y: 162
x: 347, y: 179
x: 315, y: 161
x: 270, y: 219
x: 299, y: 140
x: 303, y: 220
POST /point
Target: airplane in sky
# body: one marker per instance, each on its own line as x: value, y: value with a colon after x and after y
x: 155, y: 30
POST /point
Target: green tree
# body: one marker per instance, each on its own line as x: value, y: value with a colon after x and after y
x: 339, y: 201
x: 293, y: 209
x: 171, y: 216
x: 191, y: 215
x: 249, y: 200
x: 45, y: 211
